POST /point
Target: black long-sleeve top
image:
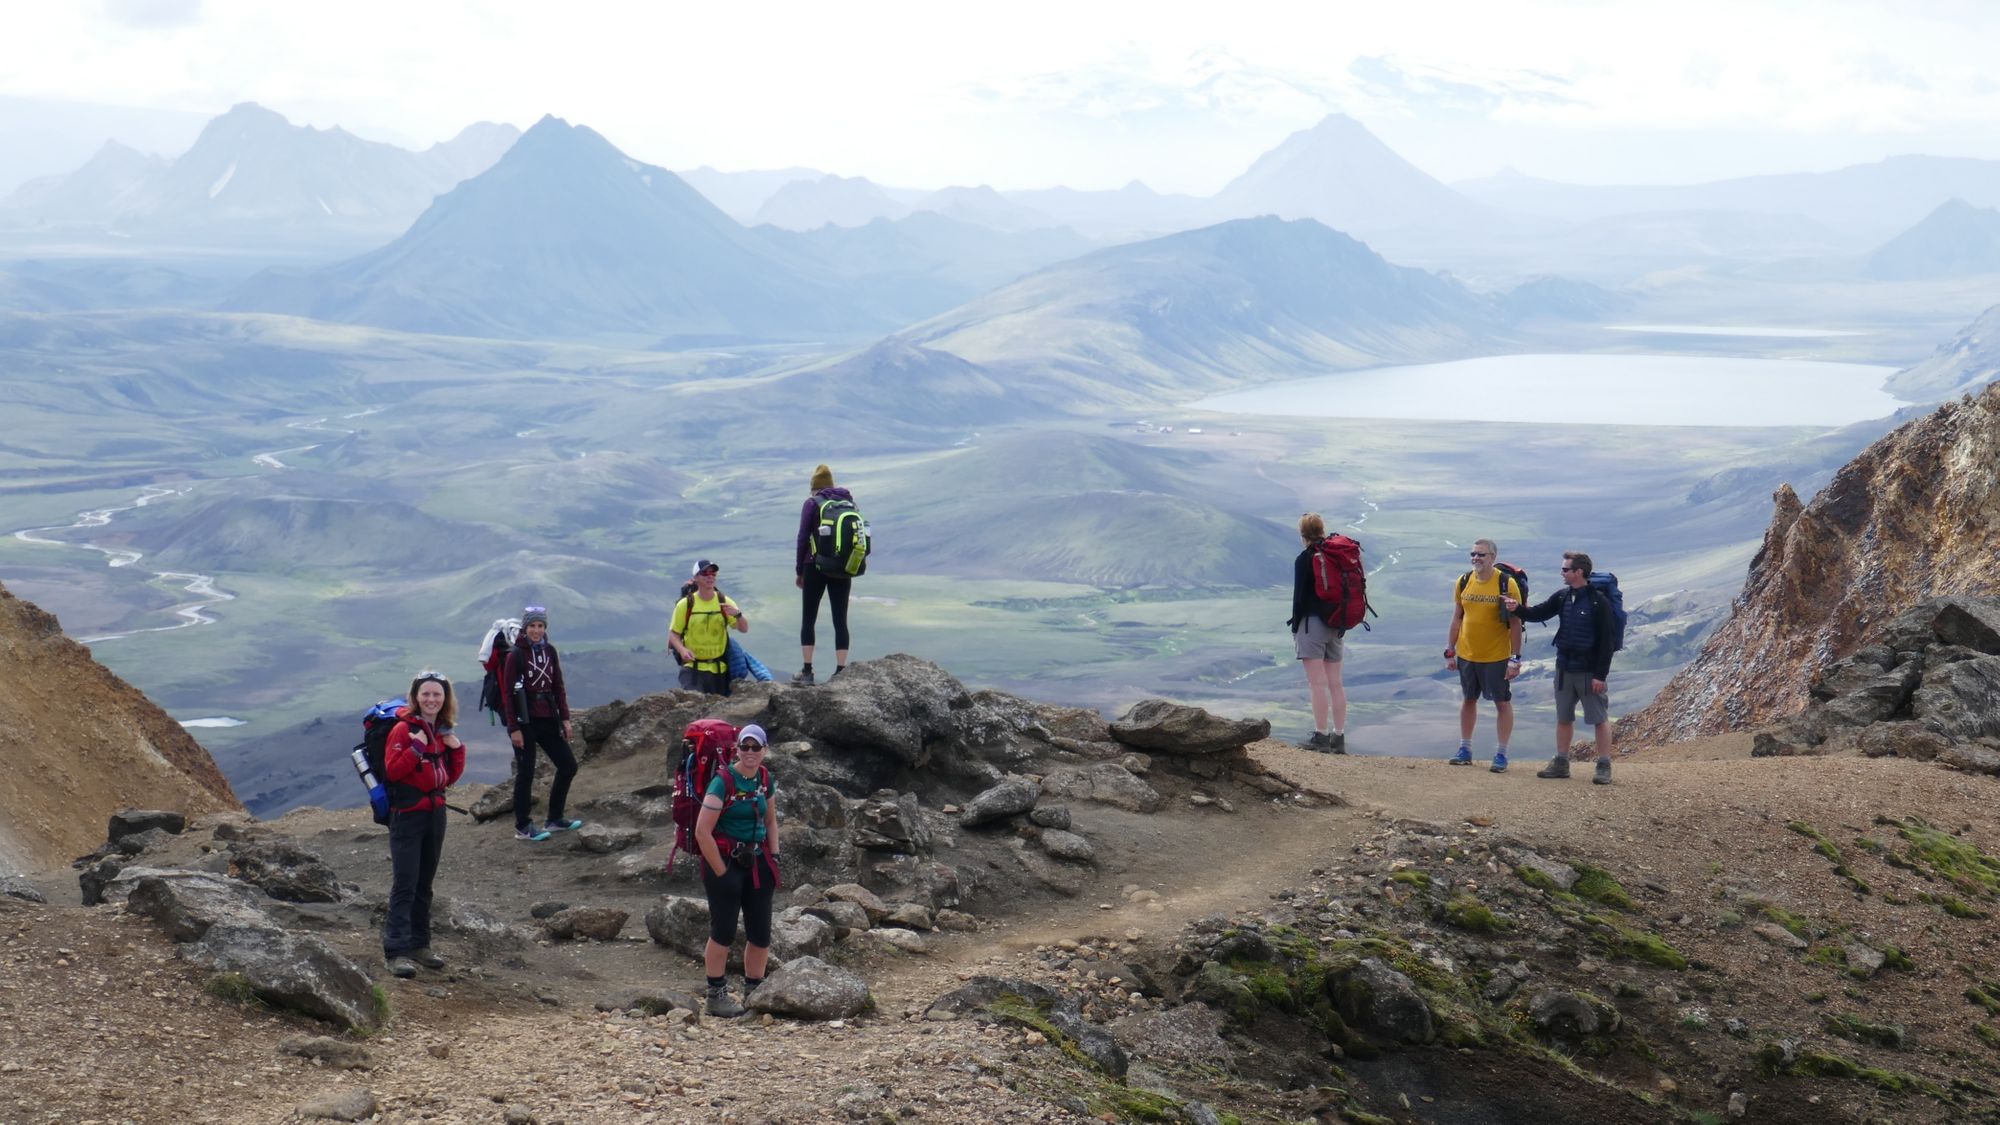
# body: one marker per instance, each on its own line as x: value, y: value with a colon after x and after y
x: 1305, y: 598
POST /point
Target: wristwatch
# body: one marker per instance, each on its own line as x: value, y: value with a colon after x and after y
x: 1451, y: 654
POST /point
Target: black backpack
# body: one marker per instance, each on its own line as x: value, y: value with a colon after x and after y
x: 495, y: 663
x: 372, y: 751
x: 842, y: 542
x: 1519, y: 576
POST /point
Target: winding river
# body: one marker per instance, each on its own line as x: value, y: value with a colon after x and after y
x: 201, y: 587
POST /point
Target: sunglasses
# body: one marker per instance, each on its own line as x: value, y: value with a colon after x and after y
x: 1569, y: 569
x: 751, y: 747
x: 1482, y: 554
x: 429, y: 676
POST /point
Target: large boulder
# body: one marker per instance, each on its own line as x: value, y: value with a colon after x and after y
x: 1175, y: 728
x: 891, y: 823
x: 811, y: 804
x: 1011, y: 797
x: 679, y: 923
x: 603, y: 839
x: 1187, y: 1034
x: 908, y: 878
x: 1107, y: 783
x: 598, y: 923
x: 809, y: 988
x: 1961, y: 700
x: 898, y: 705
x: 187, y: 904
x: 287, y: 970
x: 796, y: 933
x: 1379, y: 1001
x: 284, y: 871
x: 13, y: 886
x: 131, y: 822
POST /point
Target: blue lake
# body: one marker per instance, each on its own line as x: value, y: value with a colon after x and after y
x: 1627, y: 390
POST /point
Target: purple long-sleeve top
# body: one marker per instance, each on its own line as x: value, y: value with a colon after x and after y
x: 809, y: 523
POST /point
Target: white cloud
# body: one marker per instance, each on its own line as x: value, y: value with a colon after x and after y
x: 1178, y: 93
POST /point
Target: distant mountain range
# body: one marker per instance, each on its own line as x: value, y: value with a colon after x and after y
x: 1162, y: 319
x: 1877, y: 198
x: 567, y: 236
x: 252, y: 175
x: 1962, y: 365
x: 1956, y: 240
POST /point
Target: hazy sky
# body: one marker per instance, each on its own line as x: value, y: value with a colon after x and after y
x: 1084, y: 92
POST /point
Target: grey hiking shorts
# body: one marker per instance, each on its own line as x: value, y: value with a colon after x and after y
x: 1573, y: 688
x: 1485, y: 678
x: 1317, y: 641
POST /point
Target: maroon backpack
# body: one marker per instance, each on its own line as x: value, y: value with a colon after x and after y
x: 1340, y: 583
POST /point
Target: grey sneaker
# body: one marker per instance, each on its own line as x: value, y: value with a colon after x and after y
x: 1602, y: 775
x: 1558, y: 767
x: 1317, y: 743
x: 427, y: 958
x: 722, y: 1005
x: 1336, y: 743
x: 402, y: 968
x: 804, y: 679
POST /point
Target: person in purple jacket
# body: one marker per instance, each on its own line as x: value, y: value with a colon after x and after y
x: 815, y: 583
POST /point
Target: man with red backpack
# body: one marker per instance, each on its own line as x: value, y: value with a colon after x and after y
x: 1327, y: 599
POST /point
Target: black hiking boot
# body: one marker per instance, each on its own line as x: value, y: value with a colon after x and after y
x: 1317, y: 743
x: 1336, y: 743
x: 721, y: 1004
x: 804, y: 679
x: 1558, y: 768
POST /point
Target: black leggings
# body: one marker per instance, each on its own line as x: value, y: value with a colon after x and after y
x: 730, y: 894
x: 547, y: 734
x: 836, y: 590
x: 416, y: 841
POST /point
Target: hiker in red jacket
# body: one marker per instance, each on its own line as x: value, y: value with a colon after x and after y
x: 1318, y: 645
x: 535, y: 706
x: 422, y: 760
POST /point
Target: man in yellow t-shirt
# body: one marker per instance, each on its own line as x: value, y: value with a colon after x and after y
x: 1484, y: 645
x: 699, y: 632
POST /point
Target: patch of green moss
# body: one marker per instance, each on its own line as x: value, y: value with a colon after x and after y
x: 1815, y: 997
x: 1017, y: 1009
x: 1826, y: 1064
x: 1854, y: 882
x: 1418, y: 879
x: 1597, y: 885
x: 1984, y: 998
x: 1633, y: 944
x: 1861, y: 1031
x: 379, y: 998
x: 1798, y: 926
x: 1959, y: 862
x: 1828, y: 955
x: 1468, y: 913
x: 1953, y: 905
x: 233, y: 987
x: 1538, y: 879
x: 1355, y: 1115
x: 1895, y: 958
x: 1987, y: 1035
x: 1128, y: 1104
x: 1971, y: 1086
x: 1821, y: 844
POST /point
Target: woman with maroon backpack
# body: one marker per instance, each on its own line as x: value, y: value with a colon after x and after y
x: 422, y: 760
x: 737, y: 834
x: 1318, y: 645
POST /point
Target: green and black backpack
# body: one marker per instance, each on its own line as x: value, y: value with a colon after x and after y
x: 841, y: 545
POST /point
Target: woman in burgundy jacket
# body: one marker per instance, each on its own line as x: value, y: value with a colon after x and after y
x: 423, y: 758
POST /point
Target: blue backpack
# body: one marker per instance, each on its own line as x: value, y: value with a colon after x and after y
x: 1606, y: 583
x: 369, y: 753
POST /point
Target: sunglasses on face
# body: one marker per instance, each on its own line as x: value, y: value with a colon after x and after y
x: 1480, y: 555
x: 750, y: 747
x: 1569, y: 570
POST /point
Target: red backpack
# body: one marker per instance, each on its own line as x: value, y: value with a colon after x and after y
x: 1340, y: 583
x: 706, y: 747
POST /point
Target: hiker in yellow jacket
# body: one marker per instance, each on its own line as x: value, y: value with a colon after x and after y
x: 699, y: 633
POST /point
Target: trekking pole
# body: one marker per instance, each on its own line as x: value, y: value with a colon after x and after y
x: 456, y: 809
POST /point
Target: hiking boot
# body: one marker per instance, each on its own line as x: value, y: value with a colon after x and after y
x: 534, y: 835
x: 837, y: 670
x: 1499, y: 762
x: 1558, y: 768
x: 562, y: 825
x: 722, y: 1005
x: 402, y: 968
x: 1317, y: 743
x: 1602, y: 775
x: 804, y: 679
x: 1462, y: 758
x: 1336, y: 743
x: 426, y: 958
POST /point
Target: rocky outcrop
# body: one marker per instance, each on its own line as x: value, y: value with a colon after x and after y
x: 82, y: 744
x: 1928, y: 688
x: 1916, y: 515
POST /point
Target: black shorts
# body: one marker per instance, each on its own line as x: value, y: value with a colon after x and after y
x: 730, y: 894
x: 714, y: 683
x: 1486, y: 678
